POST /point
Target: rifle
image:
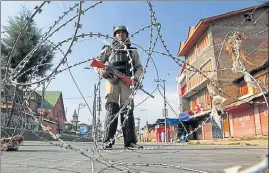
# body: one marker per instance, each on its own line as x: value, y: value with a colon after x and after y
x: 127, y: 81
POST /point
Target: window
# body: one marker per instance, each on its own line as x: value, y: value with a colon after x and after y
x: 196, y: 78
x: 248, y: 17
x: 202, y: 45
x: 207, y: 101
x: 243, y: 89
x: 263, y: 81
x: 192, y: 81
x: 191, y: 56
x: 193, y: 104
x: 206, y: 70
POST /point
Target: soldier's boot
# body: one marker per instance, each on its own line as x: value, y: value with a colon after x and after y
x: 110, y: 124
x: 133, y: 145
x: 128, y: 129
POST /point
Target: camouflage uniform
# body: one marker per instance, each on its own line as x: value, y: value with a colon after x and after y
x: 117, y: 93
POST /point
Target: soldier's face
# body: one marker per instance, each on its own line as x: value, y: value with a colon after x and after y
x: 121, y: 35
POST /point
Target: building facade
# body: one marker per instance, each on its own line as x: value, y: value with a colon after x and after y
x: 181, y: 88
x: 206, y: 60
x: 249, y: 115
x: 54, y: 111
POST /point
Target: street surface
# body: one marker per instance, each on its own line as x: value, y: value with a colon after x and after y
x: 52, y: 159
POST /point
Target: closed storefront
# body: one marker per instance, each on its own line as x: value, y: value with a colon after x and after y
x: 243, y: 122
x: 160, y: 134
x: 207, y: 131
x: 263, y: 112
x: 226, y: 126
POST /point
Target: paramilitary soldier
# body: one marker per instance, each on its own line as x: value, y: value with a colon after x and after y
x: 117, y: 93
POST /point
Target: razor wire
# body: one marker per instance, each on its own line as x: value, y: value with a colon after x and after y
x: 16, y: 73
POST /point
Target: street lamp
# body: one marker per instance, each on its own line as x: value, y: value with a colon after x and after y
x: 98, y: 98
x: 145, y: 110
x: 80, y: 106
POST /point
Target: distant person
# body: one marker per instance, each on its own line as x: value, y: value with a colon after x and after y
x: 162, y: 136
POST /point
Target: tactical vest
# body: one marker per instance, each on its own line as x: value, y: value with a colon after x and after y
x: 120, y: 60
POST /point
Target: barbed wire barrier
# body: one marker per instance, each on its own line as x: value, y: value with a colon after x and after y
x: 233, y: 46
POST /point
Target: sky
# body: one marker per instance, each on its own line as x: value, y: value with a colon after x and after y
x: 175, y: 18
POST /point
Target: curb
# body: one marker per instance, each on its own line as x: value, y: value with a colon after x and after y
x: 226, y: 143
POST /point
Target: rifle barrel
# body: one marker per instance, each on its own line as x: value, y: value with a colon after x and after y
x: 146, y: 92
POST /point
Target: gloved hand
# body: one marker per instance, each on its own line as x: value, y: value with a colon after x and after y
x: 137, y: 84
x: 105, y: 74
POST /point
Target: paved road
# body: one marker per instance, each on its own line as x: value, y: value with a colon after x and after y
x: 51, y: 159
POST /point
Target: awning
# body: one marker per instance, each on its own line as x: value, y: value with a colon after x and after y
x: 200, y: 114
x: 238, y: 105
x: 175, y: 121
x: 184, y: 117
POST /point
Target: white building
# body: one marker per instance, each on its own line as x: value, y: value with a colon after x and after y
x: 181, y: 87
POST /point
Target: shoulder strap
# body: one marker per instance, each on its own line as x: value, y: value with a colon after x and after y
x: 105, y: 46
x: 132, y: 47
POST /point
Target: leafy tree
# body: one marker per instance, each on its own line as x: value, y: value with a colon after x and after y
x: 29, y: 38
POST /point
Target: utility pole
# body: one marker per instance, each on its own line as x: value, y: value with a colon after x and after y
x: 99, y: 108
x: 139, y: 129
x: 165, y: 111
x: 145, y: 110
x: 138, y: 124
x: 82, y: 106
x: 13, y: 106
x: 42, y: 110
x: 94, y: 116
x: 42, y: 103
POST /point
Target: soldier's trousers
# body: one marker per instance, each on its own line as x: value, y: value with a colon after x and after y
x: 116, y: 97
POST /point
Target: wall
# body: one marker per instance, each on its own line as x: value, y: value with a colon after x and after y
x: 262, y: 78
x: 221, y: 28
x: 263, y: 112
x: 205, y: 55
x: 200, y: 97
x: 56, y: 114
x: 226, y: 126
x: 59, y: 112
x: 181, y: 83
x: 152, y: 135
x: 243, y: 121
x: 207, y: 131
x: 53, y: 126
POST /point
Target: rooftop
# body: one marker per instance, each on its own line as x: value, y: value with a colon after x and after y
x: 196, y: 32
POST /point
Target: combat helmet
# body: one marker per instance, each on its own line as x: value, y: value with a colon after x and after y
x: 120, y: 28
